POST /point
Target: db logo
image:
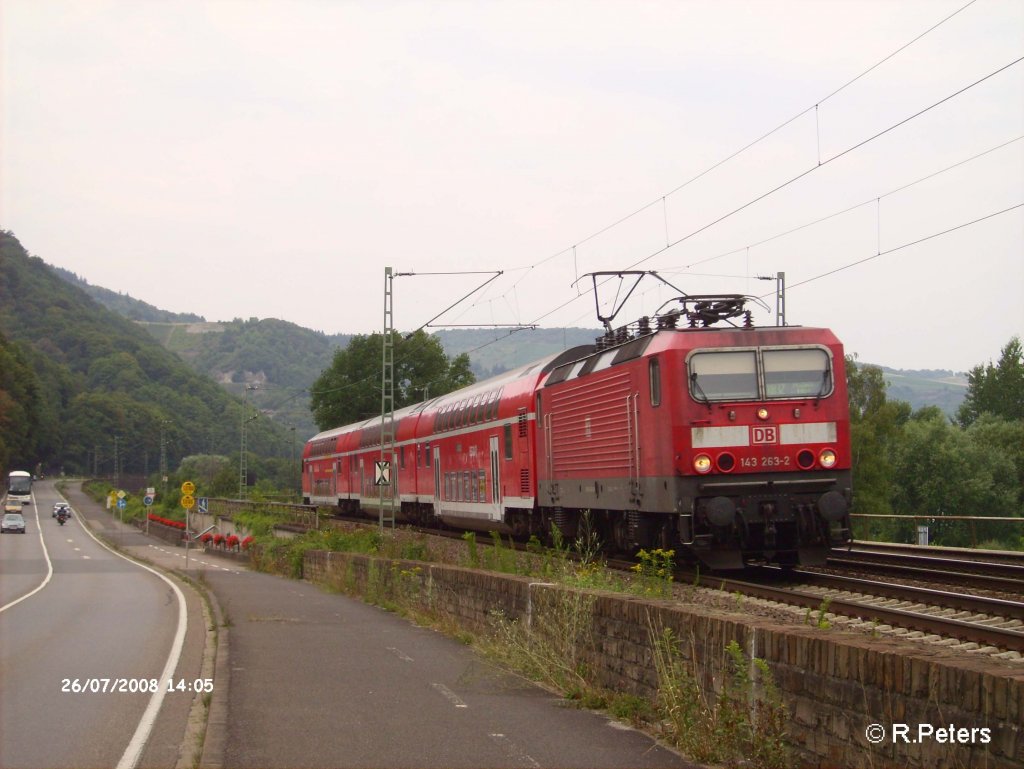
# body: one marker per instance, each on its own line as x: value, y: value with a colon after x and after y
x: 764, y: 434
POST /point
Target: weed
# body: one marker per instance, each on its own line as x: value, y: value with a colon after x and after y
x: 822, y: 623
x: 552, y: 647
x: 734, y: 726
x: 655, y: 572
x: 472, y: 554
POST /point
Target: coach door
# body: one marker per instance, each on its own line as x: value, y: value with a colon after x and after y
x: 495, y: 476
x: 437, y: 480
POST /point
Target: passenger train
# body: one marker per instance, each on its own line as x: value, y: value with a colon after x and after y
x: 729, y: 445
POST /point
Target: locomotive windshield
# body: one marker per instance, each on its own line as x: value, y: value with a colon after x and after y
x: 796, y: 373
x: 787, y: 372
x: 724, y: 376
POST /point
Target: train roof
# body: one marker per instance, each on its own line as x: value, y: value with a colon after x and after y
x: 525, y: 372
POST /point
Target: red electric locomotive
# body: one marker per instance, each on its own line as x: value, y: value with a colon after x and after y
x: 728, y: 445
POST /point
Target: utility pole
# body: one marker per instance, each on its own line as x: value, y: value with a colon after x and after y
x: 163, y: 453
x: 780, y: 299
x: 387, y: 389
x: 780, y: 296
x: 387, y: 399
x: 117, y: 474
x: 294, y: 472
x: 243, y: 466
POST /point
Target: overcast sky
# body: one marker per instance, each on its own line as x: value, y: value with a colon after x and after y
x: 239, y: 159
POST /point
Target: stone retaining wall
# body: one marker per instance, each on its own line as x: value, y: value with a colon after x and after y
x: 835, y: 684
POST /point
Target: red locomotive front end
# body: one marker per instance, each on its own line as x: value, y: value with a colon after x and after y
x: 762, y: 443
x: 729, y: 446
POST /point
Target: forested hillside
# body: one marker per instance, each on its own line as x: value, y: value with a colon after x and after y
x: 280, y: 358
x: 87, y: 378
x: 123, y: 304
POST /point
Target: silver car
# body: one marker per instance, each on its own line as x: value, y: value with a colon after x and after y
x: 13, y: 522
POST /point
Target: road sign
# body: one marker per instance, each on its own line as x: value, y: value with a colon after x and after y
x: 382, y: 473
x: 188, y: 489
x: 147, y: 500
x: 204, y: 504
x: 188, y: 501
x: 121, y: 504
x: 122, y: 494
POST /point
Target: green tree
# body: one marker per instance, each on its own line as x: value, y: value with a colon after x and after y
x: 996, y: 389
x: 349, y: 390
x: 943, y: 470
x: 875, y: 430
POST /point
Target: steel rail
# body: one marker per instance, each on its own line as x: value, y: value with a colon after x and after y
x: 1002, y: 638
x: 929, y: 574
x: 967, y: 554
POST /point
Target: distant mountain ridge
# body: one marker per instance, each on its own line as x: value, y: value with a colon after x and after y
x: 283, y: 359
x: 107, y: 389
x: 123, y: 304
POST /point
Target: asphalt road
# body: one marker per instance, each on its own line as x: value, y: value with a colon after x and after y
x: 86, y: 614
x: 316, y: 679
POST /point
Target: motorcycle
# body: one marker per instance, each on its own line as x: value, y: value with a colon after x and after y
x: 62, y: 517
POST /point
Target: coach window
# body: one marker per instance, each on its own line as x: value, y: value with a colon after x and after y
x: 426, y: 453
x: 723, y: 375
x: 797, y: 373
x: 654, y: 372
x: 401, y: 457
x: 508, y: 441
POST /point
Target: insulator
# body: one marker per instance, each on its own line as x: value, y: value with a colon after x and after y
x: 748, y: 320
x: 644, y: 325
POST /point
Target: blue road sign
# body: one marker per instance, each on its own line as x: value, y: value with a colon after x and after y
x: 203, y: 504
x: 121, y: 504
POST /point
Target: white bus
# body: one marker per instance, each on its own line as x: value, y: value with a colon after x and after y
x: 19, y: 487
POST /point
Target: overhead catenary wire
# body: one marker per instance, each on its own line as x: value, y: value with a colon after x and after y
x: 932, y: 236
x: 799, y: 176
x: 744, y: 148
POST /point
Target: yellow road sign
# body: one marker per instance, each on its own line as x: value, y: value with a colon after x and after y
x: 188, y: 501
x: 188, y: 489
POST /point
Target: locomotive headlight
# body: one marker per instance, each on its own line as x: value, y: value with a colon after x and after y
x: 762, y: 413
x: 702, y: 464
x: 827, y: 458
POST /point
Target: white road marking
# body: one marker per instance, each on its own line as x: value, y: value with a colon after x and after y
x: 450, y: 695
x: 49, y: 565
x: 518, y: 755
x: 400, y: 654
x: 133, y: 752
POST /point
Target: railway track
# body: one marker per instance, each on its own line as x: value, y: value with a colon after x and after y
x: 1003, y: 574
x: 995, y: 625
x: 991, y: 624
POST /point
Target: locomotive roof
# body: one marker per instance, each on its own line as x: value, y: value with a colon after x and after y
x: 686, y: 339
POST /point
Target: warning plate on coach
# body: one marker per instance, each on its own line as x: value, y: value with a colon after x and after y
x: 382, y: 473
